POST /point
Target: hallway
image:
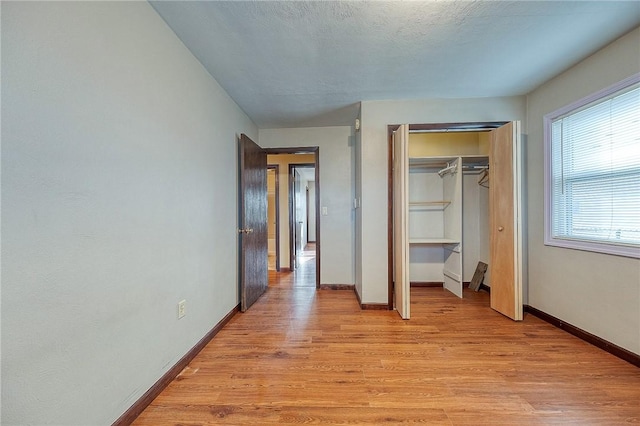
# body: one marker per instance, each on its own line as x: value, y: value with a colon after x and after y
x: 304, y: 276
x: 306, y: 356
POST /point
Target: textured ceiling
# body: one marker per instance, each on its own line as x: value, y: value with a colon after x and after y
x: 298, y: 64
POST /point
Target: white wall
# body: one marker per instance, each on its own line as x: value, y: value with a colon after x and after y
x: 118, y: 200
x: 475, y: 226
x: 336, y: 192
x: 376, y: 115
x: 596, y: 292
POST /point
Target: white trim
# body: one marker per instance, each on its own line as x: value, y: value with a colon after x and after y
x: 518, y: 228
x: 629, y: 81
x: 605, y: 248
x: 549, y: 240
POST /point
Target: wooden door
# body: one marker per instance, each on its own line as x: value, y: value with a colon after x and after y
x: 505, y: 220
x: 253, y: 274
x: 401, y: 287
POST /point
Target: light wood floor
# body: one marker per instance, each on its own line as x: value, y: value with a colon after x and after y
x: 304, y: 356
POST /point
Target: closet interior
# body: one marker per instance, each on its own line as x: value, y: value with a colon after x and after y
x: 448, y: 207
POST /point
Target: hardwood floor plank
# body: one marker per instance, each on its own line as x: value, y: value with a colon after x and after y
x: 303, y: 356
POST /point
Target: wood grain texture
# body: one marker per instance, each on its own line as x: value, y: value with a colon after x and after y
x: 336, y: 287
x: 254, y: 250
x: 501, y: 226
x: 302, y: 356
x: 605, y: 345
x: 426, y: 284
x: 478, y: 276
x: 401, y: 222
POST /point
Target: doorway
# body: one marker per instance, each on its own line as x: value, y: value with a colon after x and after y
x: 298, y: 236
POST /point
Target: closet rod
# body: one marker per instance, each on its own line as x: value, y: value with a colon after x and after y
x: 474, y: 168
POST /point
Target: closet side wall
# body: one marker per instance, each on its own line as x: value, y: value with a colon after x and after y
x: 475, y: 227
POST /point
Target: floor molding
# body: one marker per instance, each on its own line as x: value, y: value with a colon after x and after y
x: 374, y: 306
x: 599, y: 342
x: 138, y: 407
x: 337, y: 287
x: 441, y: 284
x: 426, y: 284
x: 370, y: 306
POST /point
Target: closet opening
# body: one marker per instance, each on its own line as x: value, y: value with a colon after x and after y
x: 439, y: 206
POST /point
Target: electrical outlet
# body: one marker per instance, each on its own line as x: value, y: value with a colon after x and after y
x: 182, y: 308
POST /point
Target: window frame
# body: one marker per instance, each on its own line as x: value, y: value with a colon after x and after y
x: 626, y: 250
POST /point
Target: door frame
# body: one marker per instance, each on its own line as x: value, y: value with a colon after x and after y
x: 427, y: 127
x: 276, y: 167
x: 307, y: 150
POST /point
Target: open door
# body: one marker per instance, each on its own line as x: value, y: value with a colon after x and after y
x: 505, y: 210
x: 253, y: 242
x: 401, y: 287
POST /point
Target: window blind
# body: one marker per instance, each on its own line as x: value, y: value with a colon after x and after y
x: 595, y: 171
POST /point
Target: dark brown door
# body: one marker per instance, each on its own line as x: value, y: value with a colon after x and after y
x: 253, y: 254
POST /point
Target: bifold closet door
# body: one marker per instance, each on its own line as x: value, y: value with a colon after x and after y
x: 401, y: 221
x: 505, y: 220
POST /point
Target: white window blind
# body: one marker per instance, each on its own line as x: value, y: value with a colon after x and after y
x: 594, y: 183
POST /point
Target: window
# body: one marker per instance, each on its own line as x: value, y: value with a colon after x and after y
x: 592, y: 172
